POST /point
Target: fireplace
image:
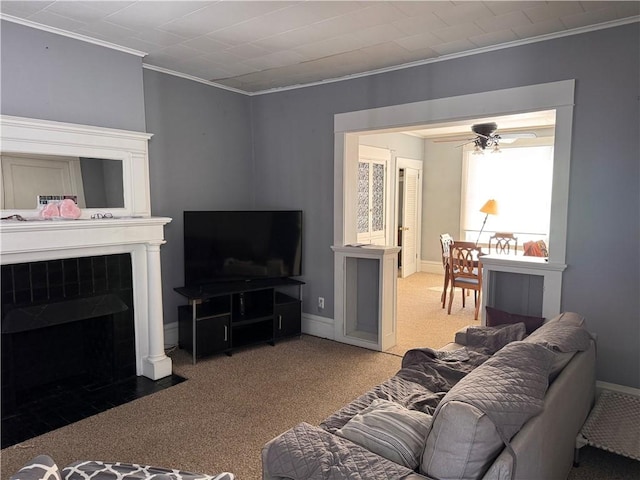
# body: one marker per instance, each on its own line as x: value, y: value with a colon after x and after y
x: 130, y: 229
x: 65, y: 324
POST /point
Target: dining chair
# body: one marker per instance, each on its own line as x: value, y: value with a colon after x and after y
x: 465, y: 271
x: 503, y: 243
x: 445, y: 241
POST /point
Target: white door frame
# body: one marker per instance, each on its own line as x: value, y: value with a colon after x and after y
x: 404, y: 163
x: 558, y: 96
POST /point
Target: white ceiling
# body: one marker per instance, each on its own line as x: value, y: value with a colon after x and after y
x: 254, y: 46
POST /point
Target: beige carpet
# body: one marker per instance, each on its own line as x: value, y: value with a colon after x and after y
x: 422, y: 322
x: 230, y: 406
x: 219, y: 419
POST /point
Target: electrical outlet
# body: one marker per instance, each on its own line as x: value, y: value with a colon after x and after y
x: 320, y: 302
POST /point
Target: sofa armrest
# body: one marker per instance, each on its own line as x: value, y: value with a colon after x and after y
x: 461, y: 337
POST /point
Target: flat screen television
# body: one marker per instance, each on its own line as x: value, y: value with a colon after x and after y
x: 224, y: 246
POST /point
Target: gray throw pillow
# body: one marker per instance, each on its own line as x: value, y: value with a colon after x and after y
x: 489, y: 340
x: 390, y: 430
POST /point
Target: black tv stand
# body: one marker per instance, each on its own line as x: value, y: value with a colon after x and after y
x: 221, y: 317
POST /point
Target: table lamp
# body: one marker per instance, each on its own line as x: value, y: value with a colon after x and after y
x: 490, y: 208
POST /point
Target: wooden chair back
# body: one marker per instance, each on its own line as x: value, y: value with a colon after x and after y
x: 463, y: 261
x: 445, y: 241
x: 504, y: 243
x: 465, y: 271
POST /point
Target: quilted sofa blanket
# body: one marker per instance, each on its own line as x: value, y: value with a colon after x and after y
x: 310, y: 453
x: 451, y: 414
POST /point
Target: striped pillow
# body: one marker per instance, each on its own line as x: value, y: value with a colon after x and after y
x: 390, y: 430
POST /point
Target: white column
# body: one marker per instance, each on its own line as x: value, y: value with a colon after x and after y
x: 156, y: 365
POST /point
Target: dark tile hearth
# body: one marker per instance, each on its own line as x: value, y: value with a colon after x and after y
x: 74, y: 400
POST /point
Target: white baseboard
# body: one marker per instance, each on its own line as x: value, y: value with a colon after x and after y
x: 317, y: 326
x: 311, y: 324
x: 431, y: 267
x: 614, y: 387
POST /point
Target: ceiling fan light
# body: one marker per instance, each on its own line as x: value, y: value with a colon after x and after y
x: 496, y: 149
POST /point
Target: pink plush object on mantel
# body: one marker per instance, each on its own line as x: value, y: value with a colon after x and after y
x: 50, y: 210
x: 69, y: 209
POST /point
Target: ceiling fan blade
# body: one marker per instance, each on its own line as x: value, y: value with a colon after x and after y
x: 453, y: 139
x: 517, y: 135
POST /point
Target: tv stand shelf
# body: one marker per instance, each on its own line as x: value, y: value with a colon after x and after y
x: 221, y: 317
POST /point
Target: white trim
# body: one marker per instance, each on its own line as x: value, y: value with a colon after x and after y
x: 318, y: 326
x: 443, y: 58
x: 558, y: 96
x: 194, y: 79
x: 44, y: 137
x: 451, y: 56
x: 429, y: 266
x: 75, y: 36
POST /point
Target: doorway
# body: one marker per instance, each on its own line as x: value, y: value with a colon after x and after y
x: 557, y: 96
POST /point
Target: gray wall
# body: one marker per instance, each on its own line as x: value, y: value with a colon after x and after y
x: 200, y: 158
x: 52, y: 77
x: 441, y: 196
x: 201, y: 153
x: 293, y: 148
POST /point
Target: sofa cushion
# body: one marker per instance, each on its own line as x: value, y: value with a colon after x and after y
x: 484, y: 410
x: 390, y: 430
x: 41, y: 467
x: 491, y: 339
x: 568, y: 318
x: 500, y: 317
x: 462, y: 443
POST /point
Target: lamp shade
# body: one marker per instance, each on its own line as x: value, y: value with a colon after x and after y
x: 490, y: 207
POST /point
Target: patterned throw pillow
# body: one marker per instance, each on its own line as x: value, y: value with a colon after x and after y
x: 41, y: 467
x: 390, y: 430
x: 131, y: 471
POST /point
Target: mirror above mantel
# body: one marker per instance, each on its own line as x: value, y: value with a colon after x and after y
x: 105, y: 169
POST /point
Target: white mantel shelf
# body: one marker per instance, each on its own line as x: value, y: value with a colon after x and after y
x: 36, y: 240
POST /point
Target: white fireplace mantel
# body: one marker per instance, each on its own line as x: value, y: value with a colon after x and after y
x: 131, y: 230
x: 35, y: 241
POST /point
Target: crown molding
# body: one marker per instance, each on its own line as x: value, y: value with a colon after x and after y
x: 540, y: 38
x: 76, y: 36
x: 194, y: 79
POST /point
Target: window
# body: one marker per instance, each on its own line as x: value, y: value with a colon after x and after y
x: 520, y: 180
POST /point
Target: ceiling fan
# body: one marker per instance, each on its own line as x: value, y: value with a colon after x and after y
x: 486, y: 136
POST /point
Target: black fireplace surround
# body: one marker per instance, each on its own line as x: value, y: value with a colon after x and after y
x: 65, y: 323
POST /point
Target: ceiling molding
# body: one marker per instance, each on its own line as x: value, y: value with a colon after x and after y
x: 540, y: 38
x: 194, y: 79
x: 76, y: 36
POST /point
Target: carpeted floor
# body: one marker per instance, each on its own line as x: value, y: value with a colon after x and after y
x: 222, y: 415
x: 422, y: 322
x: 219, y: 419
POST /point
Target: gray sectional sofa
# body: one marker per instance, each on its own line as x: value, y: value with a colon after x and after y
x: 497, y: 404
